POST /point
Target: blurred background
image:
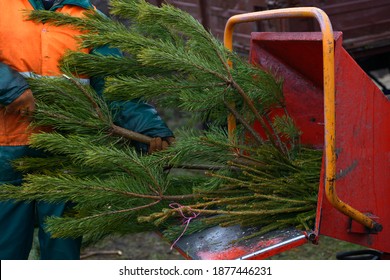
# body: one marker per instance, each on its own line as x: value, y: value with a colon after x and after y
x: 364, y: 23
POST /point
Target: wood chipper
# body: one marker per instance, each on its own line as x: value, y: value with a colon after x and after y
x: 339, y: 109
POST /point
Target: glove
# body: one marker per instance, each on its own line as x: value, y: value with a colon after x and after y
x: 159, y: 144
x: 23, y: 105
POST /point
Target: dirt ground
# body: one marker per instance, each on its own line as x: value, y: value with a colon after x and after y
x: 150, y: 246
x: 142, y: 246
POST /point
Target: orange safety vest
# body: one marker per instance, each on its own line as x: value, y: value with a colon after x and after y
x: 31, y: 49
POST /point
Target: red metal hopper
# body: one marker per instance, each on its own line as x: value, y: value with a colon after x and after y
x: 339, y: 109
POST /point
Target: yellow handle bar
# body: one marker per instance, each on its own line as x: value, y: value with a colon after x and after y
x: 329, y: 97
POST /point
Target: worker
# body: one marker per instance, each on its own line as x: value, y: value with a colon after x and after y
x: 31, y: 49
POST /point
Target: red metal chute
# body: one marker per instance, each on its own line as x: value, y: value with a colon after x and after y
x: 362, y: 150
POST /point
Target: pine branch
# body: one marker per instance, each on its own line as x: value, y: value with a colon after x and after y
x: 243, y: 180
x: 254, y: 134
x: 129, y: 134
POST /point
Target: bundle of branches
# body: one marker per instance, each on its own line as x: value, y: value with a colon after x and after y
x: 268, y: 182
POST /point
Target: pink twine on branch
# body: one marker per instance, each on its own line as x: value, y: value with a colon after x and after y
x: 186, y: 219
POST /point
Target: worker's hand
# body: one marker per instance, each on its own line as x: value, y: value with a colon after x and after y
x: 159, y: 144
x: 23, y: 105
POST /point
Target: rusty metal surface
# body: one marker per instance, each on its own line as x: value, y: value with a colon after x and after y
x: 220, y: 243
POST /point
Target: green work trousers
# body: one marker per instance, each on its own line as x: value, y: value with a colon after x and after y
x: 18, y: 219
x: 17, y: 222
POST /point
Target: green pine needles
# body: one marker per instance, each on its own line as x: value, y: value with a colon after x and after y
x: 268, y: 182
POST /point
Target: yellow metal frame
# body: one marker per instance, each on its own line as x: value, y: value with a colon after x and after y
x: 329, y: 97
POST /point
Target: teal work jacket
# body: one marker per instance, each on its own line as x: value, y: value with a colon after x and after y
x: 137, y: 116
